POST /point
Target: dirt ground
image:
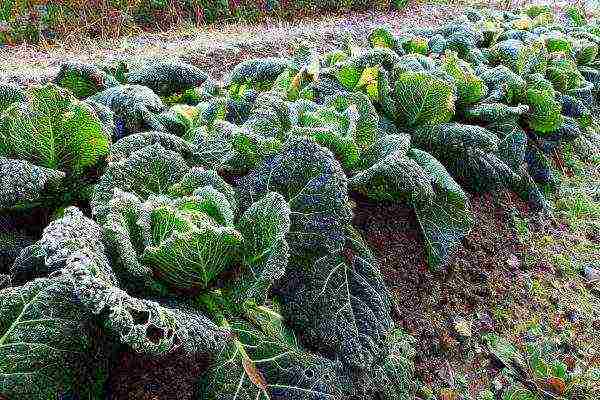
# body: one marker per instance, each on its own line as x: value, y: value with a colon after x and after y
x: 428, y: 303
x: 496, y: 283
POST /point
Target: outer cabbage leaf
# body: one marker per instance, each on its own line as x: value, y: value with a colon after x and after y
x: 167, y: 78
x: 557, y: 41
x: 505, y: 85
x: 445, y: 217
x: 49, y: 336
x: 567, y: 132
x: 381, y: 36
x: 364, y: 117
x: 413, y: 63
x: 392, y: 177
x: 179, y: 119
x: 295, y: 84
x: 563, y: 74
x: 343, y: 147
x: 146, y: 327
x: 61, y: 238
x: 9, y: 94
x: 134, y: 107
x: 258, y: 73
x: 270, y: 116
x: 422, y: 99
x: 106, y: 116
x: 575, y: 15
x: 462, y: 40
x: 74, y: 244
x: 265, y: 361
x: 315, y: 187
x: 392, y: 377
x: 586, y: 52
x: 23, y: 184
x: 545, y: 112
x: 512, y: 150
x: 521, y: 58
x: 416, y: 177
x: 12, y: 242
x: 416, y: 44
x: 53, y: 130
x: 437, y: 44
x: 340, y: 303
x: 83, y: 79
x: 575, y: 108
x: 494, y: 112
x: 213, y: 146
x: 468, y: 153
x: 47, y: 343
x: 124, y: 147
x: 250, y: 148
x: 265, y: 251
x: 359, y: 71
x: 347, y: 125
x: 471, y: 88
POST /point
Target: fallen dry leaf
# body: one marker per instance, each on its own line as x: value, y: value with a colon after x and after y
x: 557, y: 385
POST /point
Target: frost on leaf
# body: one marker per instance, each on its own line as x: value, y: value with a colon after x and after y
x: 265, y: 361
x: 315, y: 187
x: 24, y: 184
x: 135, y: 108
x: 9, y: 94
x: 53, y: 130
x: 339, y: 302
x: 47, y: 342
x: 167, y: 78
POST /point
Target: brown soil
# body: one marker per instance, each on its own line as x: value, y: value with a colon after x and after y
x: 171, y: 378
x: 428, y: 304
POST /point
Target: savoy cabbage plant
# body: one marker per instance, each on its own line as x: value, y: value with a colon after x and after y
x: 49, y: 143
x: 157, y: 211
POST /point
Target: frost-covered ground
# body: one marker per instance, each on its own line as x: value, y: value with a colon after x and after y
x: 217, y: 48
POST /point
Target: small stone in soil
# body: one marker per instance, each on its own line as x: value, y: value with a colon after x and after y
x: 462, y: 327
x: 591, y: 273
x: 486, y: 323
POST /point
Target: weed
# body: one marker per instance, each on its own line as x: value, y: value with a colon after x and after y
x: 522, y: 228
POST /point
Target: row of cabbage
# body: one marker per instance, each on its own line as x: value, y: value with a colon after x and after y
x: 214, y: 217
